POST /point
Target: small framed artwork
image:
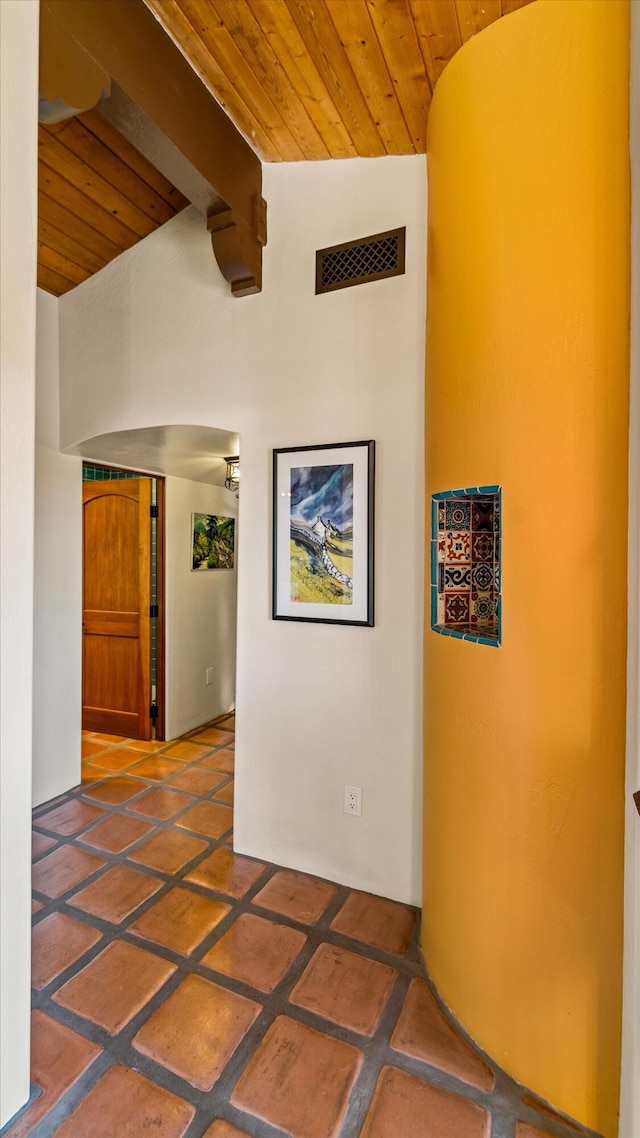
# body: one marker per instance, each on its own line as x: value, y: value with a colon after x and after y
x: 212, y: 541
x: 323, y: 528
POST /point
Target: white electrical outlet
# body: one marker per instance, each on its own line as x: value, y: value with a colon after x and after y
x: 353, y: 800
x: 208, y: 676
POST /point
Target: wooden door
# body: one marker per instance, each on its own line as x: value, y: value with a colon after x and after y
x: 116, y: 626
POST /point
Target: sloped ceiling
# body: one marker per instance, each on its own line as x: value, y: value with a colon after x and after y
x: 301, y: 80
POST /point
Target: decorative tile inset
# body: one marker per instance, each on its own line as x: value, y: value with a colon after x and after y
x: 465, y: 564
x: 457, y: 514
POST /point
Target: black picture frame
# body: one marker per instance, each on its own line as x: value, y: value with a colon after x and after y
x: 323, y: 533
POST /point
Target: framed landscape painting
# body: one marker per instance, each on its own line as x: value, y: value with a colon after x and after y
x: 323, y: 529
x: 212, y: 541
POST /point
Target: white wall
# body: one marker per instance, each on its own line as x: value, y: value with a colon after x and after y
x: 57, y: 691
x: 18, y: 154
x: 156, y: 338
x: 630, y: 1085
x: 200, y: 613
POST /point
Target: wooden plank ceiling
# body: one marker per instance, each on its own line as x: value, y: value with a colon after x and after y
x: 301, y: 79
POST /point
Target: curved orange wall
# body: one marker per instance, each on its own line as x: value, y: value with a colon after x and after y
x: 527, y: 386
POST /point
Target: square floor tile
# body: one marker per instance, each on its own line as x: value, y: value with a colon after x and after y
x: 70, y: 818
x: 161, y: 803
x: 220, y: 761
x: 198, y: 780
x: 296, y: 895
x: 256, y: 951
x: 36, y: 906
x: 374, y: 920
x: 214, y: 736
x: 117, y: 833
x: 525, y: 1130
x: 116, y: 894
x: 115, y: 791
x: 90, y: 774
x: 57, y: 942
x: 300, y: 1080
x: 146, y: 746
x: 40, y: 844
x: 180, y: 920
x: 115, y: 986
x: 89, y: 748
x: 544, y: 1108
x: 63, y: 868
x: 424, y: 1033
x: 168, y: 851
x: 221, y: 1129
x: 59, y: 1056
x: 402, y: 1102
x: 156, y: 768
x: 225, y: 794
x: 345, y: 988
x: 210, y: 818
x: 116, y: 760
x: 187, y: 752
x: 226, y: 872
x: 124, y: 1103
x: 196, y: 1031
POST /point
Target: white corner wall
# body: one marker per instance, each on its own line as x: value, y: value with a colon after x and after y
x: 18, y: 158
x: 57, y: 616
x: 200, y: 613
x: 630, y: 1082
x: 156, y: 338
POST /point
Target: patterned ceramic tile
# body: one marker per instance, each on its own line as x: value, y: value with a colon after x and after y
x: 457, y: 514
x: 456, y: 608
x: 465, y: 568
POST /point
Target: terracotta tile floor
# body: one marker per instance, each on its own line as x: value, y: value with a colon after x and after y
x: 180, y: 989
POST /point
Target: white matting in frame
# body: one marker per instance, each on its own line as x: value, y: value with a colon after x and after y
x: 323, y: 531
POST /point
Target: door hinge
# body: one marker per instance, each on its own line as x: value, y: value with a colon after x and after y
x: 154, y: 711
x: 154, y: 610
x: 153, y: 511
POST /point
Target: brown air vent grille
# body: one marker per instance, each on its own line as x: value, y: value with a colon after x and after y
x: 356, y: 262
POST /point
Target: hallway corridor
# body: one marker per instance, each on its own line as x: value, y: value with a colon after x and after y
x: 179, y: 989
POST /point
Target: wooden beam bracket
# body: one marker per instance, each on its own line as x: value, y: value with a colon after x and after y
x: 115, y: 56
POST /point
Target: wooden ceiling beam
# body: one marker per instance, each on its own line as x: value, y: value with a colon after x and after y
x: 114, y: 55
